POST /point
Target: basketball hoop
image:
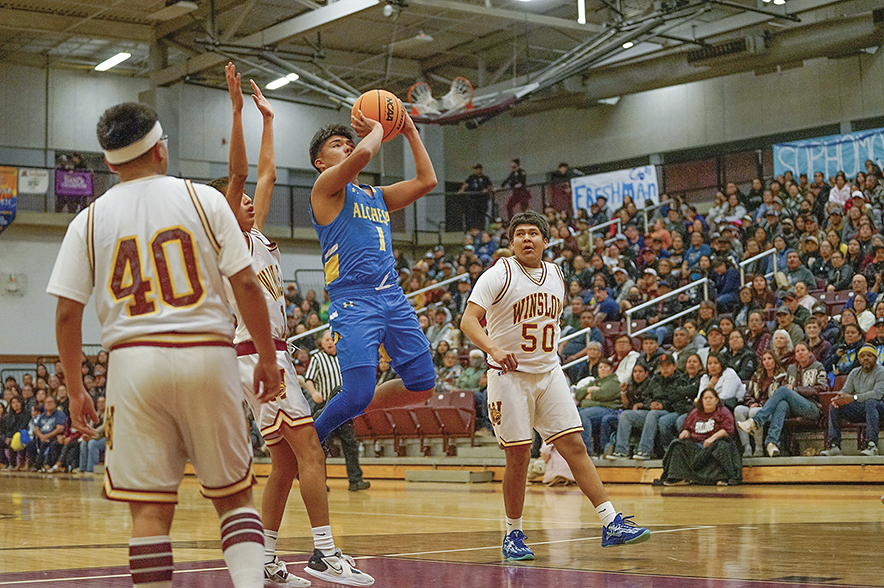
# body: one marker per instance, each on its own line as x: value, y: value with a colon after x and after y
x: 421, y: 99
x: 460, y: 95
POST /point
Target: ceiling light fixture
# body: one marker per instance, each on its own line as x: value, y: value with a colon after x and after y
x: 581, y: 11
x: 275, y: 84
x: 628, y: 45
x: 779, y: 2
x: 113, y: 61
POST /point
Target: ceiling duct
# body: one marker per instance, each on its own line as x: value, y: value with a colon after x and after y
x: 735, y: 48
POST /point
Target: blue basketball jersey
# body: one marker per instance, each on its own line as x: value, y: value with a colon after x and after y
x: 357, y: 248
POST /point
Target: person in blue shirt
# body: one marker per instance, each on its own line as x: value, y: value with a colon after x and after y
x: 49, y: 427
x: 368, y: 307
x: 727, y: 284
x: 697, y: 249
x: 605, y: 305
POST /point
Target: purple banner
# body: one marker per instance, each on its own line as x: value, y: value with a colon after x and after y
x: 73, y: 183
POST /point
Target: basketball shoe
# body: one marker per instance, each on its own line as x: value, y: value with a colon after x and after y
x: 274, y: 571
x: 514, y: 547
x: 337, y: 568
x: 622, y: 531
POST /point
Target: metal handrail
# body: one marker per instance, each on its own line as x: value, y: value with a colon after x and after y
x: 325, y: 326
x: 745, y: 262
x: 594, y: 228
x: 655, y: 207
x: 704, y: 282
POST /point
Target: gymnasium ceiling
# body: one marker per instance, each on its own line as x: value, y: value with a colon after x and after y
x: 354, y: 45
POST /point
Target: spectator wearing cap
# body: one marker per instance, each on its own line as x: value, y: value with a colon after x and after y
x: 471, y: 375
x: 727, y: 284
x: 638, y: 393
x: 716, y: 344
x: 634, y: 241
x: 818, y: 346
x: 622, y: 284
x: 860, y: 400
x: 835, y: 221
x: 478, y: 188
x: 461, y: 296
x: 810, y: 252
x: 800, y: 314
x: 605, y: 305
x: 806, y: 379
x: 697, y: 250
x: 786, y: 322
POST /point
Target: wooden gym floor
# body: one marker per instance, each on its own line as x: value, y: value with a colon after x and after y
x: 56, y: 530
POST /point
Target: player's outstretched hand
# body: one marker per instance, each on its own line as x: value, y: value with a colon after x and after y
x: 233, y: 86
x: 266, y: 383
x: 362, y: 125
x: 505, y: 359
x: 260, y: 101
x: 82, y: 409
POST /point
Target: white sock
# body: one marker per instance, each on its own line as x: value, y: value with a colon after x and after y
x: 270, y: 538
x: 323, y: 539
x: 513, y: 525
x: 242, y: 539
x: 606, y: 512
x: 150, y: 561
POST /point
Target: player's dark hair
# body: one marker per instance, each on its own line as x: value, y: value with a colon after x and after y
x: 123, y: 124
x: 323, y: 135
x: 221, y: 184
x: 530, y: 217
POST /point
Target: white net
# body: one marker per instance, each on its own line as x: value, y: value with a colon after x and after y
x: 421, y: 99
x: 460, y: 95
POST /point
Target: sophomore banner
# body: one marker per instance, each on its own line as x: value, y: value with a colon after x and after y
x: 8, y: 196
x: 847, y: 153
x: 640, y: 183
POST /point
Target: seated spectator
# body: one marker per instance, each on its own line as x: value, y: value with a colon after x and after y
x: 470, y: 376
x: 672, y: 390
x: 439, y: 357
x: 44, y: 446
x: 578, y: 347
x: 864, y: 317
x: 781, y: 345
x: 818, y: 346
x: 799, y: 397
x: 447, y: 375
x: 385, y: 371
x: 597, y: 398
x: 769, y: 376
x: 861, y: 288
x: 637, y: 394
x: 706, y: 317
x: 727, y: 284
x: 697, y: 249
x: 728, y: 386
x: 624, y: 358
x: 705, y: 451
x: 843, y: 359
x: 605, y: 305
x: 16, y: 420
x: 786, y: 322
x: 860, y: 400
x: 739, y: 357
x: 716, y: 344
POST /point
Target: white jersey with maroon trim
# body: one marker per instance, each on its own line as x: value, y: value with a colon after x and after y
x: 265, y: 262
x: 522, y: 309
x: 154, y: 251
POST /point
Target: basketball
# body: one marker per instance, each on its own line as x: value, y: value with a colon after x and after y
x: 383, y: 107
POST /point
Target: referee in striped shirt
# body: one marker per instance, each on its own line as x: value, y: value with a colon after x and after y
x: 323, y: 380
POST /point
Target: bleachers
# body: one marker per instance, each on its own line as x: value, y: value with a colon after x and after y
x: 444, y: 416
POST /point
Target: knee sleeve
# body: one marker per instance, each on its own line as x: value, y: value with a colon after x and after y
x: 355, y: 395
x: 418, y: 374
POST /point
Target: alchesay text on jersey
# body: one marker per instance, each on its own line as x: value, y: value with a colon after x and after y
x: 537, y: 304
x: 370, y: 213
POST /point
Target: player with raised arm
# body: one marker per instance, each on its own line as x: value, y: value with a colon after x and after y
x: 521, y: 299
x: 285, y: 421
x: 155, y: 250
x: 368, y: 307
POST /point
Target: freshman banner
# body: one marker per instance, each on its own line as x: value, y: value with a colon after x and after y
x: 8, y: 196
x: 640, y: 183
x: 847, y: 153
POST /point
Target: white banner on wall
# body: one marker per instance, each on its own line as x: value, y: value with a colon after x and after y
x: 33, y: 181
x: 639, y: 183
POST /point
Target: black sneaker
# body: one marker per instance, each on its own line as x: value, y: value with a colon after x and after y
x: 360, y: 485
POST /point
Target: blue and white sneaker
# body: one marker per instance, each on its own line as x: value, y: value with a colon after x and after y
x: 622, y: 531
x: 514, y: 547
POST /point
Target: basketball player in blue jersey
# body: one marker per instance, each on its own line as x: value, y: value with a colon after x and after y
x: 368, y: 308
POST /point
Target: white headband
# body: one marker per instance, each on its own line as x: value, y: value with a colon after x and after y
x: 136, y: 149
